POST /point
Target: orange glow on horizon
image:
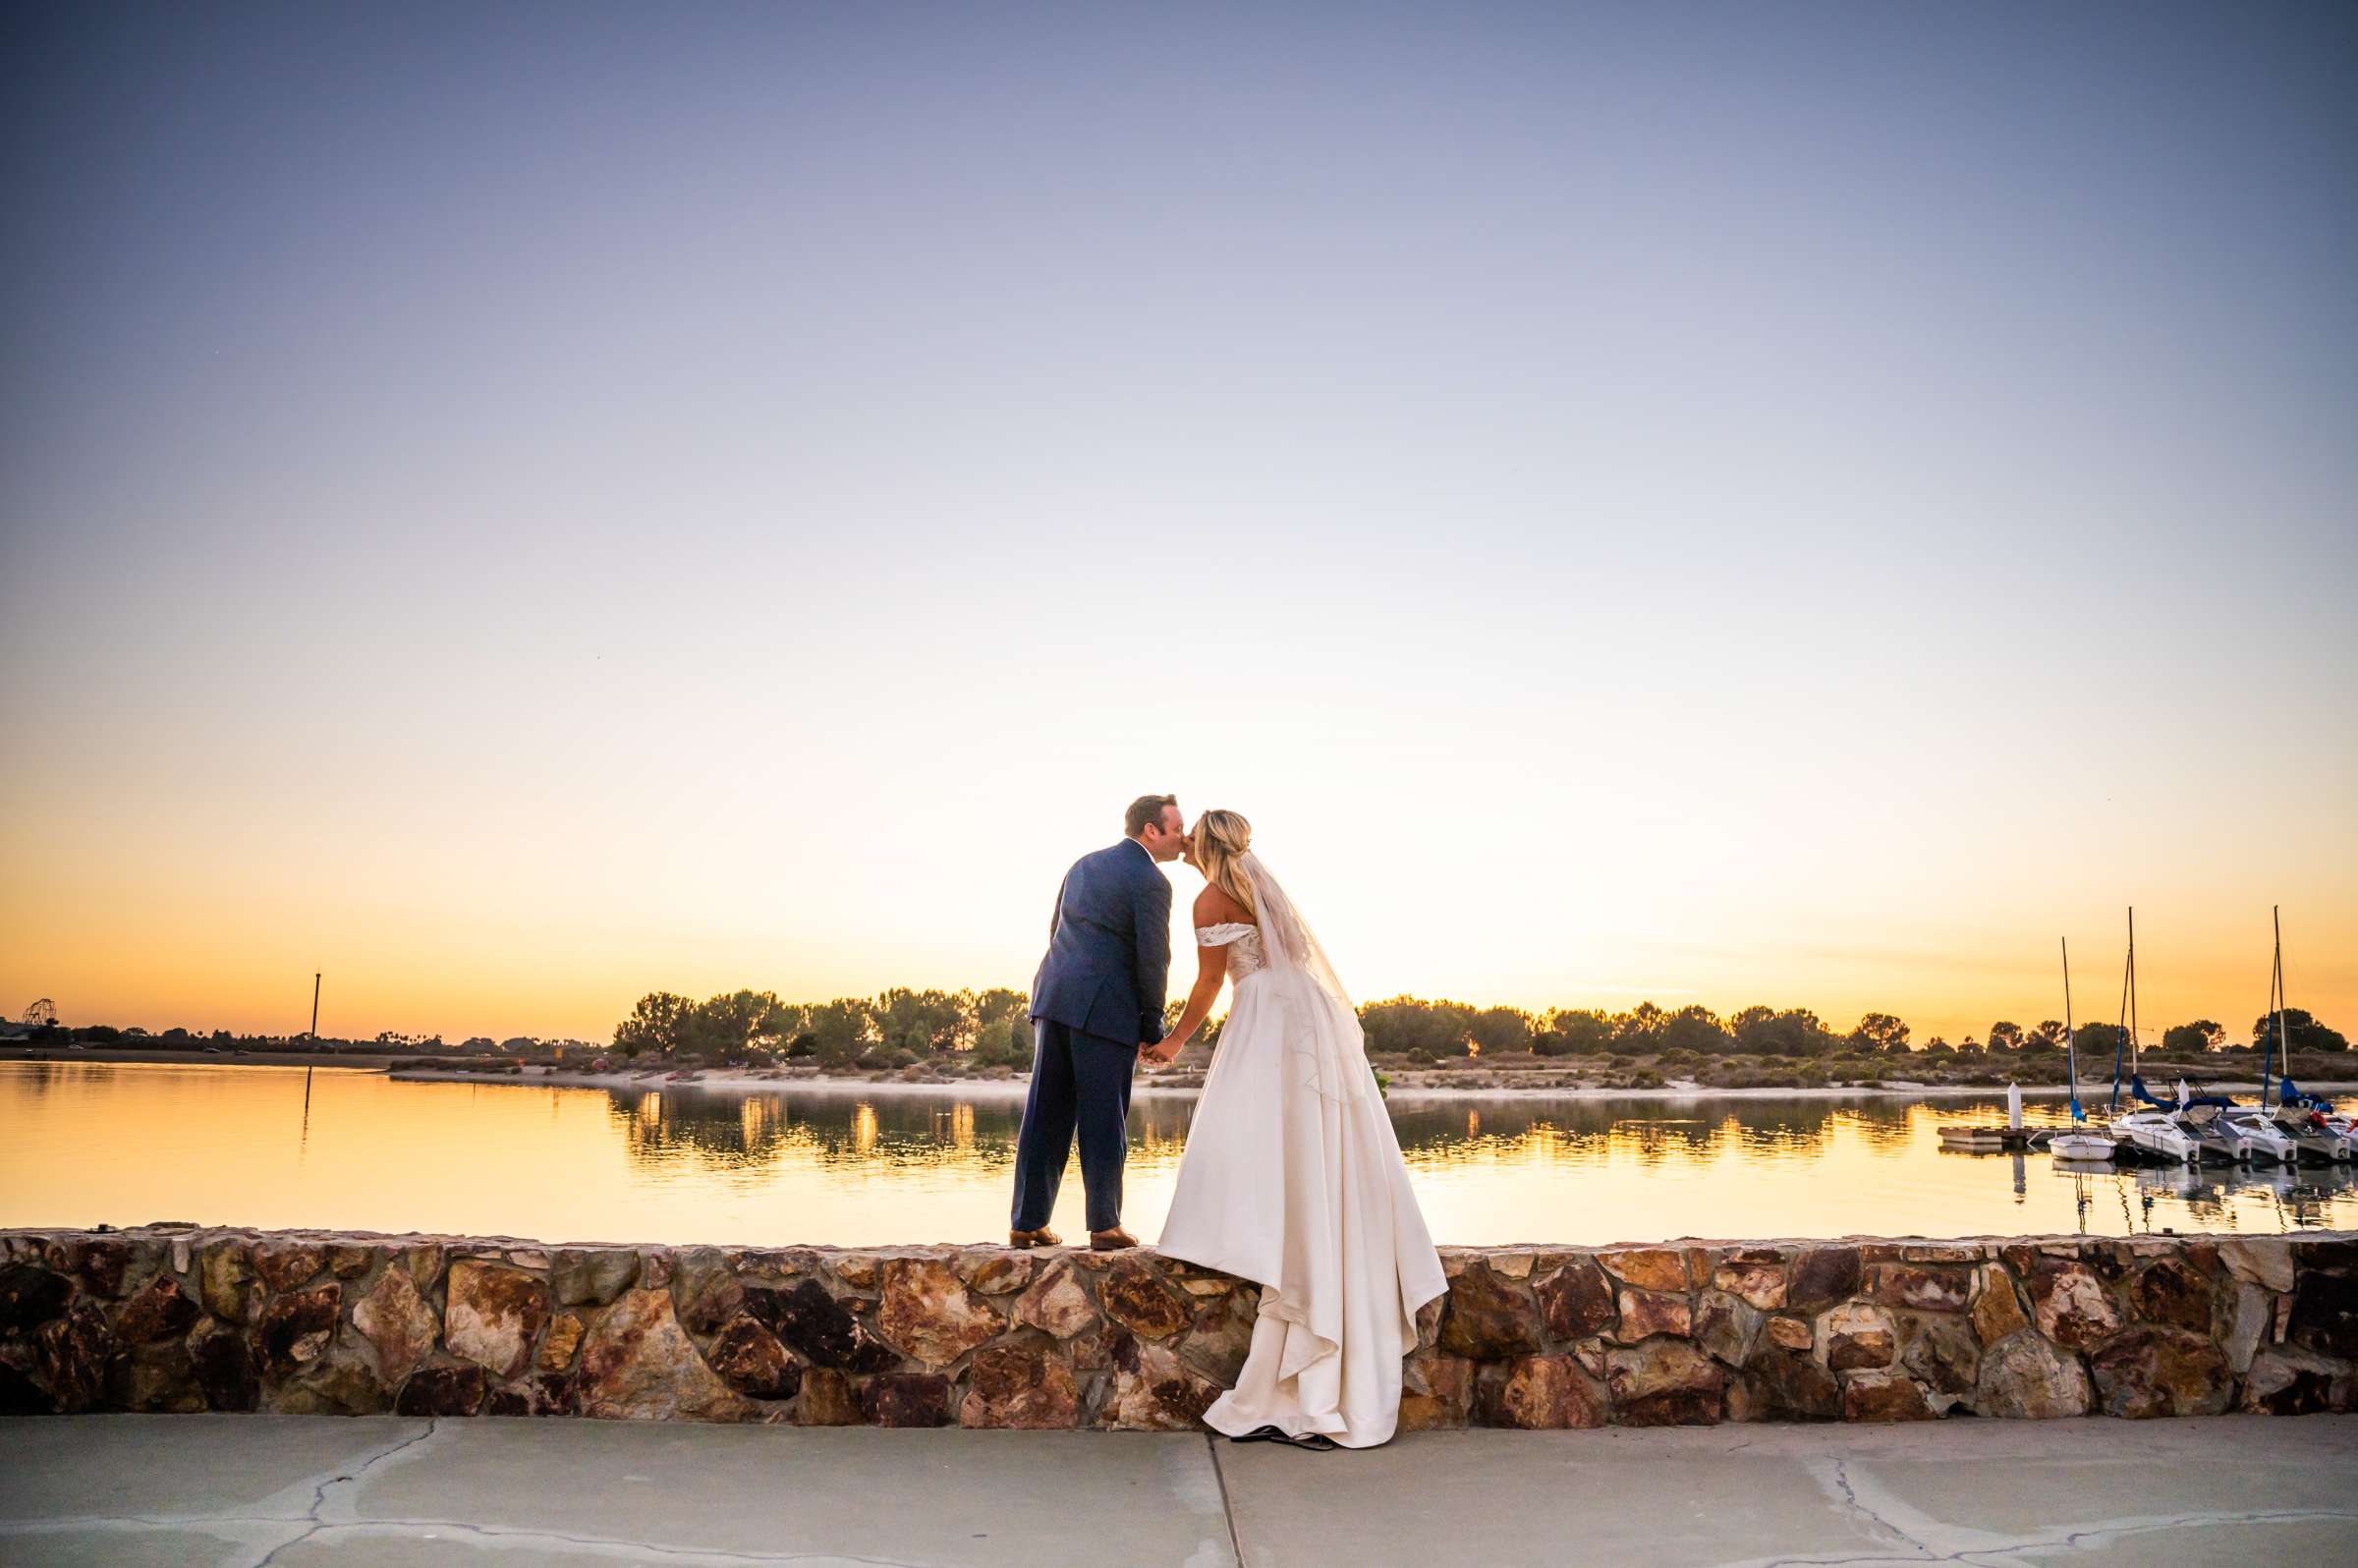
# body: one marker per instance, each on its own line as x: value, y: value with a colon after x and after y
x: 157, y: 966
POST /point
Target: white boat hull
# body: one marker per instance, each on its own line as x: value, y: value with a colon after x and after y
x: 2156, y: 1137
x: 2225, y: 1144
x: 2083, y: 1145
x: 2334, y: 1144
x: 2263, y: 1141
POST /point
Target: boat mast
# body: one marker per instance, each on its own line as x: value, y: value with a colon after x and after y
x: 2283, y: 1047
x: 2071, y: 1050
x: 2133, y: 1068
x: 2121, y: 1038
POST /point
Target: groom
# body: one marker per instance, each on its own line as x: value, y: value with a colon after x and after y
x: 1095, y: 1004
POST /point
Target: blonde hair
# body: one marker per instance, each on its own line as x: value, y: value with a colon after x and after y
x: 1216, y: 840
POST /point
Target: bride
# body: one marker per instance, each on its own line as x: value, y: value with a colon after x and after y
x: 1292, y: 1174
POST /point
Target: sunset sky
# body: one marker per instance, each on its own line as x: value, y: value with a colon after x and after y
x: 519, y: 506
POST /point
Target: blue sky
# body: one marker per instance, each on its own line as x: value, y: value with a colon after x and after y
x: 518, y: 506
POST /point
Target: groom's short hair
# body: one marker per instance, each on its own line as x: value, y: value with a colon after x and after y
x: 1145, y: 809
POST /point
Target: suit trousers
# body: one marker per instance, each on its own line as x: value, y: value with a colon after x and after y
x: 1080, y: 1082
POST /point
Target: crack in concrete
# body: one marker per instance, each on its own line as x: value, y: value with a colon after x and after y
x: 65, y: 1522
x: 324, y: 1507
x: 433, y: 1425
x: 2073, y: 1540
x: 1850, y: 1500
x: 239, y: 1522
x: 1993, y: 1555
x: 352, y: 1477
x: 2113, y: 1530
x: 604, y: 1546
x: 432, y: 1529
x: 1236, y: 1545
x: 315, y: 1527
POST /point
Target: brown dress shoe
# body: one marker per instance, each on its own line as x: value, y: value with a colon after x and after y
x: 1043, y: 1237
x: 1109, y: 1240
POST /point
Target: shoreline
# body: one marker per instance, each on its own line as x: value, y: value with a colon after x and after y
x: 199, y: 1056
x: 1018, y: 1089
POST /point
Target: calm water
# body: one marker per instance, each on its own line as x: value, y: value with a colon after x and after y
x: 128, y: 1143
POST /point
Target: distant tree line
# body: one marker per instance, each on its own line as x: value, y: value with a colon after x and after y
x: 902, y: 1027
x: 1432, y: 1030
x: 1435, y: 1030
x: 134, y: 1036
x: 897, y: 1027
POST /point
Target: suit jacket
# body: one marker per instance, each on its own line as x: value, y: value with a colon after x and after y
x: 1109, y: 947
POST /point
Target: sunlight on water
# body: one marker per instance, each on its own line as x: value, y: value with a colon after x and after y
x: 130, y: 1143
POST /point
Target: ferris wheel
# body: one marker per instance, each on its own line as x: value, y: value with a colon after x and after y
x: 42, y: 1014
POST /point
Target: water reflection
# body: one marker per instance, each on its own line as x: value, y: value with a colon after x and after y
x: 1657, y: 1132
x: 691, y: 1130
x: 2216, y: 1198
x: 133, y: 1143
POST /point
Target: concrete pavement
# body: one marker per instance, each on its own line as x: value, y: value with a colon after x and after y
x: 292, y: 1490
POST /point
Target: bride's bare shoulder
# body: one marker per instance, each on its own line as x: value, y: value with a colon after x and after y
x: 1215, y: 908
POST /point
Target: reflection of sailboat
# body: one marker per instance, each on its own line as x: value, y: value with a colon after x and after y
x: 2078, y: 1170
x: 2173, y: 1180
x: 2277, y: 1181
x: 2317, y: 1187
x: 2207, y: 1188
x: 2152, y: 1132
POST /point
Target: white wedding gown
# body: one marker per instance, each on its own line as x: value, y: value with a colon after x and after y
x: 1292, y: 1177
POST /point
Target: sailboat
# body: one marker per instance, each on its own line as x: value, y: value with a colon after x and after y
x: 2154, y: 1132
x: 2242, y: 1133
x: 2195, y: 1126
x: 2318, y: 1130
x: 2078, y: 1142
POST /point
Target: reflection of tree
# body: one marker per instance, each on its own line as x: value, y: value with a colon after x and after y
x: 1571, y: 1165
x: 705, y: 1131
x: 1651, y: 1132
x: 960, y: 1142
x: 36, y: 1076
x: 39, y: 1075
x: 701, y: 1130
x: 1160, y: 1122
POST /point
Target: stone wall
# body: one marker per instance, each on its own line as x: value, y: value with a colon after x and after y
x: 179, y: 1319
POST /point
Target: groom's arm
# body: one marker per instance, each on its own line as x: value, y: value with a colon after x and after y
x: 1150, y: 914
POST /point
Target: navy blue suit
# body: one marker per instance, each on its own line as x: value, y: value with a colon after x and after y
x: 1097, y: 998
